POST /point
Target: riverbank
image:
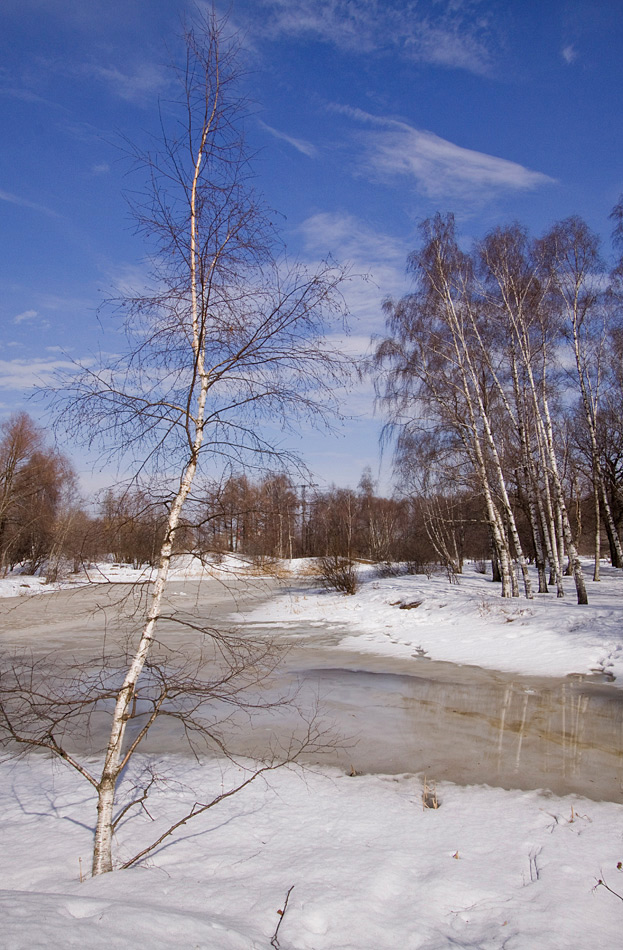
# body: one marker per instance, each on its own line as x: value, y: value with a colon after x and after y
x: 467, y: 622
x: 372, y: 863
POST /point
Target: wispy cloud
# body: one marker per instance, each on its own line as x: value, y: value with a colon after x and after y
x: 377, y: 269
x: 26, y: 95
x: 346, y: 236
x: 377, y: 263
x: 25, y: 203
x: 138, y: 85
x: 67, y: 304
x: 569, y: 54
x: 25, y: 316
x: 450, y: 33
x: 23, y: 374
x: 306, y: 148
x: 130, y: 280
x: 101, y: 169
x: 438, y: 167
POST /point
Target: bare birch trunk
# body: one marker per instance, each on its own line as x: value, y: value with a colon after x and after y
x: 574, y: 559
x: 579, y: 301
x: 467, y: 374
x: 115, y: 760
x: 546, y: 438
x: 597, y: 530
x: 490, y: 441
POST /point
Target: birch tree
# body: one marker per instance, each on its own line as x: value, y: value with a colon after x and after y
x: 514, y: 295
x: 523, y: 284
x: 226, y: 348
x: 433, y: 359
x: 470, y: 358
x: 571, y: 252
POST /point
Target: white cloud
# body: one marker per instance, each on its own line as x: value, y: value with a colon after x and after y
x: 569, y: 54
x: 451, y: 34
x: 306, y: 148
x: 102, y: 169
x: 377, y: 262
x: 22, y: 374
x: 346, y: 236
x: 26, y: 95
x: 439, y: 167
x: 56, y: 302
x: 25, y: 203
x: 26, y: 315
x: 130, y: 280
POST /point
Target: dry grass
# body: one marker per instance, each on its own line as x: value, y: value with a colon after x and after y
x: 429, y: 795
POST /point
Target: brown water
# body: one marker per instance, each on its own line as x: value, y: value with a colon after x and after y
x: 460, y: 723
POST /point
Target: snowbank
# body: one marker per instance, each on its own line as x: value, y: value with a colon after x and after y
x: 371, y: 868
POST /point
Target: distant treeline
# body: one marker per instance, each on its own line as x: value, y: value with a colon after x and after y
x: 45, y: 526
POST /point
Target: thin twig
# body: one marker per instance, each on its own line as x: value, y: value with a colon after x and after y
x: 602, y: 883
x: 275, y: 942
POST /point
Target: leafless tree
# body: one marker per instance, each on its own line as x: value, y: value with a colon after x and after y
x: 515, y: 296
x: 571, y: 254
x: 435, y: 367
x: 37, y: 495
x: 227, y: 349
x: 469, y: 366
x: 207, y: 689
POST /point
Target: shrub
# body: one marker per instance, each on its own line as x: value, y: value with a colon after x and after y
x: 339, y: 573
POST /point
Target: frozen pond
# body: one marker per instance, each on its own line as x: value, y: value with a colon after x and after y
x: 460, y: 723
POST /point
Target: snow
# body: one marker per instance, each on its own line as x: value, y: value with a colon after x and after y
x: 371, y: 867
x: 183, y: 566
x: 467, y: 622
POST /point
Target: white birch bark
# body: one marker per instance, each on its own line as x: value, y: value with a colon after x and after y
x: 597, y: 536
x: 589, y: 403
x: 544, y: 424
x: 115, y: 761
x: 475, y: 402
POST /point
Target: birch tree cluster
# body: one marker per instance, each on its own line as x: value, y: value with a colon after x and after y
x: 501, y: 376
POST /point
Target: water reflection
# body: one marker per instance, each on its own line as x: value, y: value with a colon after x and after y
x: 395, y: 715
x: 565, y: 735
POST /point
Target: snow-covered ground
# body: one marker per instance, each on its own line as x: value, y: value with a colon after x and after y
x: 18, y: 584
x: 468, y: 622
x: 371, y: 867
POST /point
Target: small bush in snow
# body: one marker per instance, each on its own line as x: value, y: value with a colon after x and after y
x: 339, y: 573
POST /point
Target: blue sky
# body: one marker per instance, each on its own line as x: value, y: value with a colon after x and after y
x: 369, y: 116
